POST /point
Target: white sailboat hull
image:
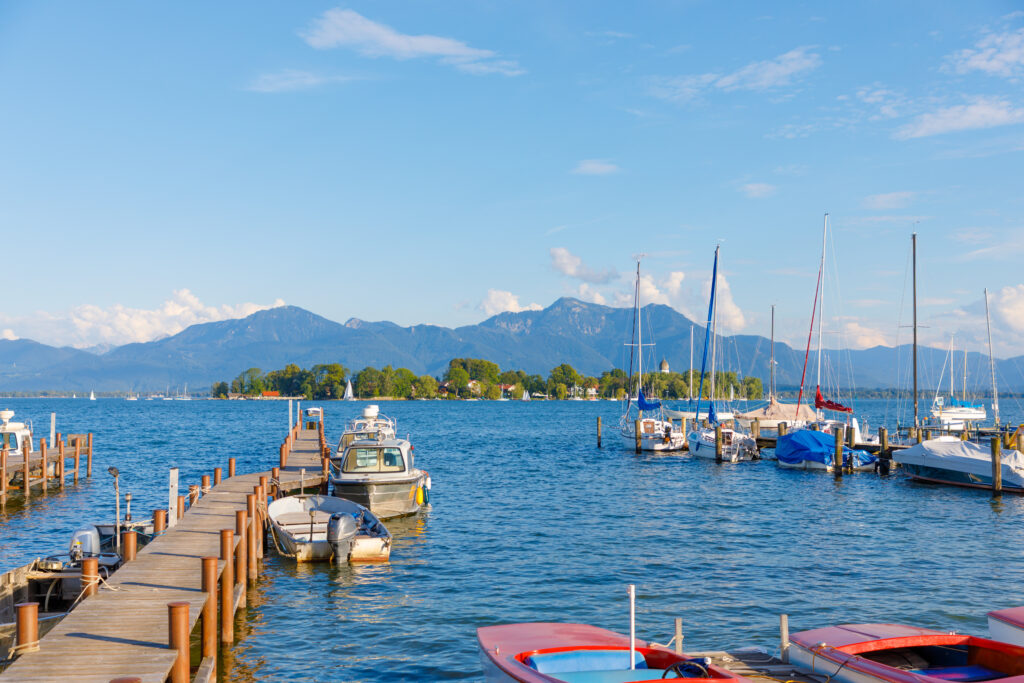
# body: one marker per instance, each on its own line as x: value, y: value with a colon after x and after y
x: 736, y: 447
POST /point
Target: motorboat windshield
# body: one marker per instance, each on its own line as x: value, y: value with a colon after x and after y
x: 364, y: 458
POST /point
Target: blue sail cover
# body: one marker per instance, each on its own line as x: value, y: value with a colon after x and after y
x: 808, y: 445
x: 644, y: 404
x: 712, y: 415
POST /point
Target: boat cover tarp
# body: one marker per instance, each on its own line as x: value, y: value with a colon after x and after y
x: 809, y: 445
x: 963, y: 456
x: 822, y: 403
x: 957, y: 403
x: 781, y: 411
x: 644, y: 404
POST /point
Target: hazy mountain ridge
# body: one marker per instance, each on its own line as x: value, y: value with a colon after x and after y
x: 591, y: 337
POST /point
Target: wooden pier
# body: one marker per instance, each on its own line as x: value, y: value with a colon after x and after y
x: 137, y: 624
x: 24, y: 470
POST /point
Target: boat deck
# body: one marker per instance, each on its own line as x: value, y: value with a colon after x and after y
x: 123, y: 629
x: 758, y: 666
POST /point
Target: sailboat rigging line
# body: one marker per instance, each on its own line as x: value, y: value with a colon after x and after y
x: 810, y: 333
x: 992, y: 363
x: 707, y: 334
x: 632, y: 340
x: 913, y: 242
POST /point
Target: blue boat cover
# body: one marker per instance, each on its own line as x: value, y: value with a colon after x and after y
x: 806, y: 444
x: 584, y: 660
x: 957, y: 403
x: 644, y: 404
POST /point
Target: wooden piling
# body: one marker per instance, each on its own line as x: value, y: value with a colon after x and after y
x: 927, y: 435
x: 25, y: 483
x: 598, y: 431
x: 227, y: 587
x: 275, y: 477
x: 282, y: 453
x: 193, y: 495
x: 205, y: 484
x: 177, y: 639
x: 216, y: 475
x: 883, y: 443
x: 918, y: 434
x: 815, y: 427
x: 782, y: 428
x: 837, y: 455
x: 209, y: 637
x: 129, y: 545
x: 90, y: 576
x: 3, y: 473
x: 78, y: 453
x: 231, y: 467
x: 88, y: 456
x: 851, y: 437
x: 250, y: 541
x: 678, y: 640
x: 636, y: 434
x: 60, y: 460
x: 181, y: 507
x: 159, y: 521
x: 784, y: 637
x: 997, y: 467
x: 27, y: 638
x: 755, y: 429
x: 718, y: 442
x: 45, y: 469
x: 241, y: 550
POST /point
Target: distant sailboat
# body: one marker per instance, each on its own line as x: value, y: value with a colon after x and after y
x: 349, y: 396
x: 526, y: 395
x: 92, y: 395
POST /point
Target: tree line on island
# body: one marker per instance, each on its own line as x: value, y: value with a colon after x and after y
x: 474, y: 378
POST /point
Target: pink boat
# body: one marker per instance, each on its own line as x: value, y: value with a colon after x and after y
x: 870, y: 653
x: 580, y: 653
x: 1007, y: 625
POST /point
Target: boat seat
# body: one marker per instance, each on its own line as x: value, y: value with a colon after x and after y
x: 575, y: 661
x: 611, y: 676
x: 961, y: 674
x: 289, y: 518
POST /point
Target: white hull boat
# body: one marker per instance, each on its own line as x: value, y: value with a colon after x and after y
x: 736, y: 447
x: 380, y: 475
x: 314, y: 528
x: 655, y: 435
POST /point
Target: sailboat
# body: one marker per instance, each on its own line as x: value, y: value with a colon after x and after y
x: 955, y: 414
x: 92, y: 395
x: 525, y: 396
x: 656, y: 433
x: 349, y: 396
x: 736, y: 446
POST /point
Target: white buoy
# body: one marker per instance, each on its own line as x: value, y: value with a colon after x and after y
x: 632, y: 627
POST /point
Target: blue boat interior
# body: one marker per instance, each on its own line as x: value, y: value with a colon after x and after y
x: 962, y: 664
x: 593, y: 666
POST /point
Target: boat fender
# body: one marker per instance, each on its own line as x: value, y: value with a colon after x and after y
x: 420, y: 495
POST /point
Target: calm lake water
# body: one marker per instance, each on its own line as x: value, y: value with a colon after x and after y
x: 531, y: 522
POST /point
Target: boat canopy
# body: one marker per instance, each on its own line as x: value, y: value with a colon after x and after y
x: 806, y: 445
x: 962, y: 456
x: 957, y: 403
x: 781, y: 411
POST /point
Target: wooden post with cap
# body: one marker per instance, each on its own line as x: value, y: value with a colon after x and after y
x: 997, y: 467
x: 27, y: 638
x: 177, y: 639
x: 227, y: 587
x: 209, y: 636
x: 837, y: 454
x: 241, y: 551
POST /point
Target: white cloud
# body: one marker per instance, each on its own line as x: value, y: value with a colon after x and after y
x: 567, y: 263
x: 595, y: 167
x: 8, y: 334
x: 889, y: 103
x: 758, y: 190
x: 90, y: 325
x: 981, y: 112
x: 346, y: 28
x: 675, y: 282
x: 499, y: 301
x: 730, y: 316
x: 1008, y: 305
x: 889, y: 200
x: 291, y: 79
x: 588, y: 293
x: 769, y: 74
x: 859, y: 336
x: 998, y: 54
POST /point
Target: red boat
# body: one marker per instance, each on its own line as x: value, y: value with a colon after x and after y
x: 580, y: 653
x: 892, y: 653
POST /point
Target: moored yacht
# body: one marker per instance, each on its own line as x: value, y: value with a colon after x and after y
x: 370, y: 425
x: 14, y: 435
x: 380, y: 474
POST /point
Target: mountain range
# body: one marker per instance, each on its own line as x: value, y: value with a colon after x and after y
x: 590, y: 337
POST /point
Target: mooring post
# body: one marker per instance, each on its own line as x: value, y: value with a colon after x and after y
x: 227, y: 586
x: 782, y: 428
x: 205, y: 484
x: 27, y: 638
x: 78, y: 453
x: 815, y: 427
x: 46, y: 471
x: 784, y: 637
x: 25, y: 473
x: 88, y: 456
x: 282, y: 454
x: 193, y: 494
x: 250, y: 540
x: 261, y: 500
x: 718, y: 442
x: 883, y: 443
x: 210, y: 607
x: 60, y: 460
x: 231, y: 467
x: 3, y: 472
x: 918, y: 434
x: 181, y: 506
x: 997, y: 467
x: 598, y: 431
x: 679, y: 635
x: 177, y: 639
x: 275, y: 482
x: 53, y: 429
x: 851, y: 437
x: 129, y: 545
x: 241, y: 549
x: 755, y: 429
x: 265, y: 488
x: 636, y: 434
x: 90, y: 576
x: 837, y: 455
x: 927, y: 435
x: 159, y: 521
x: 216, y: 475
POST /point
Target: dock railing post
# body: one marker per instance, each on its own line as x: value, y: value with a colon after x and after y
x: 26, y: 479
x: 210, y: 607
x: 997, y: 467
x: 90, y: 576
x: 88, y: 456
x: 45, y: 470
x: 678, y: 640
x: 598, y: 431
x: 177, y: 639
x: 60, y: 459
x: 636, y: 434
x: 241, y: 551
x: 129, y: 545
x: 282, y: 453
x: 217, y: 475
x: 837, y: 455
x: 204, y: 487
x: 27, y: 638
x: 3, y: 473
x: 250, y: 540
x: 231, y: 467
x: 180, y: 506
x: 275, y: 482
x: 78, y: 455
x: 227, y: 587
x: 159, y: 521
x: 718, y: 442
x: 784, y: 637
x: 261, y: 500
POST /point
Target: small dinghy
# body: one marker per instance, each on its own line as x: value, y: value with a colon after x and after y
x: 319, y: 528
x: 893, y: 653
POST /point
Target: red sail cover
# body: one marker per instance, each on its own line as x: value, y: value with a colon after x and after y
x: 820, y: 402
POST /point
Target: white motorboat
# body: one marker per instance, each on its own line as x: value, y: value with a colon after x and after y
x: 14, y: 435
x: 312, y: 527
x: 370, y: 425
x: 736, y: 446
x: 381, y: 475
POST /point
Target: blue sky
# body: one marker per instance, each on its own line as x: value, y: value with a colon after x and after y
x: 169, y: 163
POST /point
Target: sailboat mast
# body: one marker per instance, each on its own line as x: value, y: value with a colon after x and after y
x: 821, y: 308
x: 639, y: 342
x: 714, y: 329
x: 951, y: 395
x: 913, y: 247
x: 689, y: 377
x: 771, y: 381
x: 992, y: 363
x: 964, y: 394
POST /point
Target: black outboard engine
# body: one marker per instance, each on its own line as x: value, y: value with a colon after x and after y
x: 341, y: 531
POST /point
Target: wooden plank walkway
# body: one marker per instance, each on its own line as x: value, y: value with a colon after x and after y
x: 123, y: 630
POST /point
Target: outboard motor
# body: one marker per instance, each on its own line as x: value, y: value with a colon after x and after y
x: 341, y: 531
x: 85, y: 542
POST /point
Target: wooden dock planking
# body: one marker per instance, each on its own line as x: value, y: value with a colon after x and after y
x: 123, y: 630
